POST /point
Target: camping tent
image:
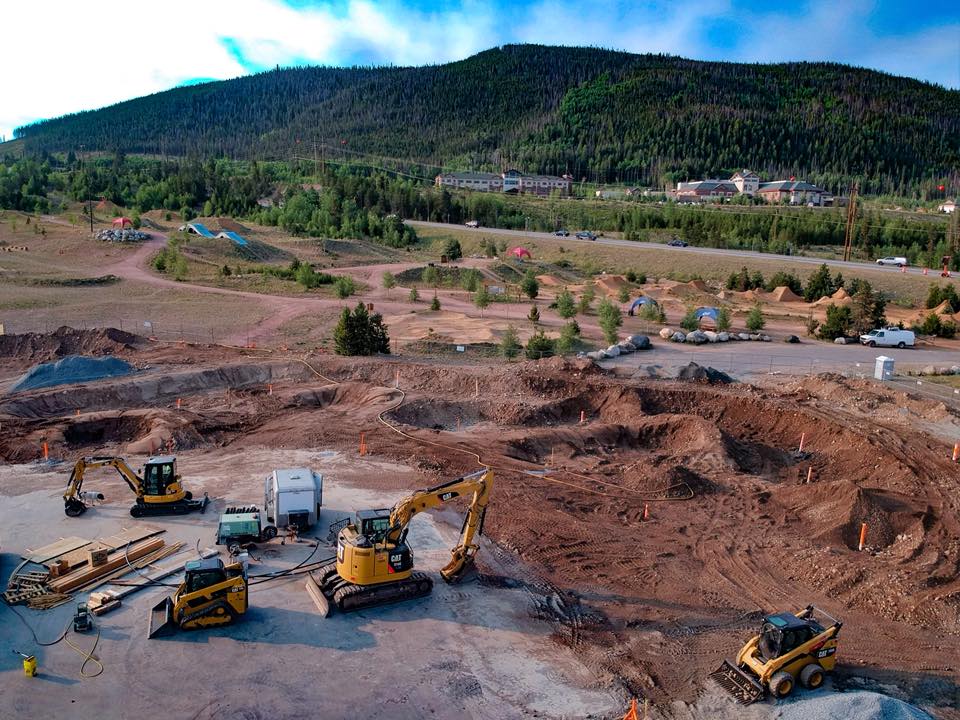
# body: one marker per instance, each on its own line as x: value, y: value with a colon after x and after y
x: 521, y: 252
x: 123, y: 222
x: 640, y: 301
x: 707, y: 312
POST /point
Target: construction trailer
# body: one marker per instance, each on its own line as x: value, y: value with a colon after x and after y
x: 292, y: 497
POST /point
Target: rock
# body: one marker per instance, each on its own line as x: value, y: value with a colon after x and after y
x: 596, y: 355
x: 666, y: 333
x: 698, y: 373
x: 641, y: 342
x: 612, y: 351
x: 765, y: 338
x: 626, y: 347
x: 710, y: 335
x: 793, y: 339
x: 755, y: 336
x: 743, y: 336
x: 955, y: 370
x: 840, y: 341
x: 696, y: 337
x: 723, y: 336
x: 678, y: 337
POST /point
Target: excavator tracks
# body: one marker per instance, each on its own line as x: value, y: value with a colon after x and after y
x: 347, y: 596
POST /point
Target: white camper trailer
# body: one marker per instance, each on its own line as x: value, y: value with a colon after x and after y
x: 293, y: 497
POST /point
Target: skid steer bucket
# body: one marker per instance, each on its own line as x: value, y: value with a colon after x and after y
x: 161, y: 620
x: 741, y: 686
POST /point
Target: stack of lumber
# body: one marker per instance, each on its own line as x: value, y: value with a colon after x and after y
x: 85, y: 577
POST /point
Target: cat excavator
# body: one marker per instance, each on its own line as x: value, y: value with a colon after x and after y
x: 374, y: 564
x: 211, y: 594
x: 159, y: 492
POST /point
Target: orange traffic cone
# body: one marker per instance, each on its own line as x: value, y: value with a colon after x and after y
x: 632, y: 712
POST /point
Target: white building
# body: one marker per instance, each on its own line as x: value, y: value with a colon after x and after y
x: 948, y: 207
x: 511, y: 181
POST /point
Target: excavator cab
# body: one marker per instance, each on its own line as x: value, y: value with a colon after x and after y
x: 373, y: 524
x: 159, y: 474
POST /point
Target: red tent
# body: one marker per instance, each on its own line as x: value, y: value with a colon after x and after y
x: 520, y: 252
x: 123, y: 222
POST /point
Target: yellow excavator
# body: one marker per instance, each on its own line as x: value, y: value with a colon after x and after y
x: 211, y: 594
x: 159, y: 492
x: 790, y: 647
x: 374, y: 563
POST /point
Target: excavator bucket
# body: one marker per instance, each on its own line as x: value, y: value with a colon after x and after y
x: 741, y: 686
x: 161, y: 620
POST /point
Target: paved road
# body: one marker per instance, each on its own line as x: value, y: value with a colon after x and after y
x: 785, y: 259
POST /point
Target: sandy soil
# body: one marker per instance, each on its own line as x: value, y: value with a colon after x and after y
x: 648, y: 606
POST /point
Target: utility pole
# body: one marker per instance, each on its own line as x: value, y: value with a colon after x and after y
x: 851, y: 219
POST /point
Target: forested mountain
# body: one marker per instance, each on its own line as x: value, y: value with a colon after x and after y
x: 607, y: 116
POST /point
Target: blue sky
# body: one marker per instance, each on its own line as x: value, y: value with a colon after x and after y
x: 87, y: 55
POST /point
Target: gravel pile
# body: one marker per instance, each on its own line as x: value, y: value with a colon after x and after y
x: 856, y: 705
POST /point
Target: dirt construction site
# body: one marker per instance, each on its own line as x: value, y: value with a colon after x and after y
x: 637, y: 533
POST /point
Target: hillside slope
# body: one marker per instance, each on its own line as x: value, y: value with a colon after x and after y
x: 608, y: 116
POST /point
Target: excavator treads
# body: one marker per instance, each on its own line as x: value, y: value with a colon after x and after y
x: 161, y: 620
x: 741, y: 686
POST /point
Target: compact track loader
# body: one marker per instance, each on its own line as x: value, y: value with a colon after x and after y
x: 211, y: 594
x: 790, y: 648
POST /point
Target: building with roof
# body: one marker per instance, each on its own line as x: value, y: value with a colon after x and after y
x: 948, y: 207
x: 510, y: 181
x: 705, y: 190
x: 794, y: 192
x: 747, y: 181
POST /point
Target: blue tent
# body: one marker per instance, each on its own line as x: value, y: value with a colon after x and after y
x: 707, y: 312
x: 200, y: 229
x: 640, y: 301
x: 230, y: 235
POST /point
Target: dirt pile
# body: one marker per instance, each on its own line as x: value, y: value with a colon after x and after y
x: 785, y: 294
x: 42, y: 347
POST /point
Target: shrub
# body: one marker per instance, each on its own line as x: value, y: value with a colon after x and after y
x: 566, y: 308
x: 534, y: 314
x: 435, y: 303
x: 529, y: 285
x: 389, y: 281
x: 414, y: 296
x: 610, y: 320
x: 539, y: 346
x: 624, y: 295
x: 481, y: 298
x: 510, y: 344
x: 359, y: 333
x: 631, y: 276
x: 837, y: 324
x: 586, y: 298
x: 569, y: 337
x: 452, y: 250
x: 431, y: 276
x: 755, y: 320
x: 723, y: 319
x: 652, y: 313
x: 344, y: 286
x: 690, y: 321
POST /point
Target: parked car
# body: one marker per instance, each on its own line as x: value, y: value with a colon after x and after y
x: 472, y: 224
x: 562, y: 233
x: 586, y: 235
x: 677, y: 242
x: 898, y: 261
x: 889, y: 337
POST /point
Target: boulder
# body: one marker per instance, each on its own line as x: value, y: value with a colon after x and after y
x: 698, y: 373
x: 955, y: 370
x: 743, y: 336
x: 641, y: 342
x: 840, y: 341
x: 710, y: 335
x: 678, y: 337
x: 612, y: 351
x: 626, y: 347
x: 723, y: 336
x: 755, y: 336
x: 596, y: 355
x: 792, y: 339
x: 765, y: 338
x: 666, y: 333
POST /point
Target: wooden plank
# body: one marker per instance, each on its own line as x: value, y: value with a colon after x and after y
x: 117, y: 560
x: 141, y: 532
x: 56, y: 549
x: 78, y: 557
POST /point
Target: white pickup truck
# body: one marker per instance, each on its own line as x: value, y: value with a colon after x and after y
x: 891, y: 260
x: 889, y: 337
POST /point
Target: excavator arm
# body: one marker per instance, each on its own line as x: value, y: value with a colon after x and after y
x: 479, y: 484
x: 73, y: 496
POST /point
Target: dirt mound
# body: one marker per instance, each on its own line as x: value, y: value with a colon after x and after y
x: 231, y: 225
x: 612, y: 284
x: 41, y: 347
x: 836, y: 511
x: 697, y: 373
x: 840, y: 294
x: 785, y: 294
x: 829, y: 300
x: 944, y: 308
x: 550, y: 280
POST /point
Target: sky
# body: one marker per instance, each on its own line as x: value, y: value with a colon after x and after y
x: 62, y: 56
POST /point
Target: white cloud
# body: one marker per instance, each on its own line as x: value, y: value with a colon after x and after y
x: 86, y: 55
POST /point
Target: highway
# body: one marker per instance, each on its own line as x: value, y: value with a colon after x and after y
x: 614, y: 242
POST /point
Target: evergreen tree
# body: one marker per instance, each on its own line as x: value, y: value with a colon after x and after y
x: 529, y: 285
x: 755, y: 321
x: 610, y: 320
x: 510, y: 344
x: 565, y: 304
x: 481, y: 298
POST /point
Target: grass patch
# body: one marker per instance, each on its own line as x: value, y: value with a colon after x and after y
x: 74, y: 282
